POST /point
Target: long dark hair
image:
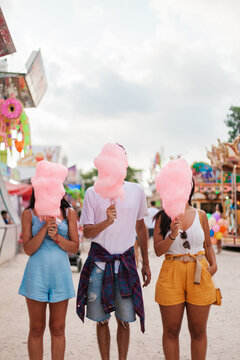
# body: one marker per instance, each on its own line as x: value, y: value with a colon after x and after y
x: 165, y: 219
x: 63, y: 206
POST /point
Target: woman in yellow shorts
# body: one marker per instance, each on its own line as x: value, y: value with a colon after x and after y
x: 185, y: 279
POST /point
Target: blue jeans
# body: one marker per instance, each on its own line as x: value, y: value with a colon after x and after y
x: 124, y: 306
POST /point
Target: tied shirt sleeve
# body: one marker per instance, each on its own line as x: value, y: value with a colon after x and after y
x: 142, y: 211
x: 87, y: 215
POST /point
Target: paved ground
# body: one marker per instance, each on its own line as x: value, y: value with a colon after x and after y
x: 223, y: 326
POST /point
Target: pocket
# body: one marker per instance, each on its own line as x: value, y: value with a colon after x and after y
x: 205, y: 265
x: 164, y: 270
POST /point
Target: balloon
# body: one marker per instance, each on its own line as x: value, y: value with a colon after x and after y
x: 211, y: 233
x: 112, y: 169
x: 218, y: 235
x: 48, y: 187
x: 217, y: 216
x: 216, y: 228
x: 208, y: 215
x: 223, y: 229
x: 221, y: 222
x: 212, y: 221
x: 174, y: 183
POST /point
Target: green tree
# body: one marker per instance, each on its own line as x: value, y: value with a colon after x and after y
x: 89, y: 177
x: 133, y: 175
x: 233, y: 123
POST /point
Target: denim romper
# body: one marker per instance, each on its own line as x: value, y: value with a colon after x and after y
x: 47, y: 276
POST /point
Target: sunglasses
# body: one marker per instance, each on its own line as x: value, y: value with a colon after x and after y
x: 186, y: 243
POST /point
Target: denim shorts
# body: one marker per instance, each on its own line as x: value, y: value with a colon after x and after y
x: 124, y: 306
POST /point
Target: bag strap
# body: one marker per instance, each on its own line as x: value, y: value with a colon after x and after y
x: 205, y: 247
x: 204, y: 244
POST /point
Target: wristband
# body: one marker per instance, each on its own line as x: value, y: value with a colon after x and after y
x: 56, y: 241
x: 171, y: 237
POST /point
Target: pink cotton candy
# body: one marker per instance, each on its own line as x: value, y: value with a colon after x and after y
x: 48, y: 187
x: 112, y: 169
x: 174, y: 183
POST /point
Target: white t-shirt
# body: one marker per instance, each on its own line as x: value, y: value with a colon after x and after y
x: 119, y: 236
x: 149, y: 219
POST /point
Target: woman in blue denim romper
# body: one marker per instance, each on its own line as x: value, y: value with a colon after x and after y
x: 47, y: 277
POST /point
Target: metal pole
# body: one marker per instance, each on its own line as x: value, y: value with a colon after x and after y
x: 222, y: 185
x: 235, y: 197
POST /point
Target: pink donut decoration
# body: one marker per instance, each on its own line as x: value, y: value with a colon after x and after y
x: 11, y: 108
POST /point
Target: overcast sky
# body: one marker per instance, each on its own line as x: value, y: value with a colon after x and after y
x: 149, y: 74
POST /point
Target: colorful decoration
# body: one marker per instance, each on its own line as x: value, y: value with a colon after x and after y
x: 225, y: 155
x: 75, y: 191
x: 19, y: 145
x: 11, y: 108
x: 206, y: 176
x: 174, y: 184
x: 26, y: 133
x: 217, y: 216
x: 112, y: 169
x: 218, y: 228
x: 48, y: 187
x: 14, y: 118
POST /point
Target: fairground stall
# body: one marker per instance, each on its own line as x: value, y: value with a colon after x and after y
x: 17, y: 92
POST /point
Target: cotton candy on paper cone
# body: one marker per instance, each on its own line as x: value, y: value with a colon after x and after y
x: 112, y: 165
x: 174, y: 184
x: 48, y: 187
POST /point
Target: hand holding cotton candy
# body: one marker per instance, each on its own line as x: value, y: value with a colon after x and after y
x: 174, y: 184
x: 48, y: 188
x: 112, y: 169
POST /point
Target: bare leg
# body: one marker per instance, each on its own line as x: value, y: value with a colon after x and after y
x: 219, y: 246
x: 103, y: 337
x: 37, y: 316
x: 123, y: 336
x: 172, y: 321
x: 197, y: 324
x: 58, y: 313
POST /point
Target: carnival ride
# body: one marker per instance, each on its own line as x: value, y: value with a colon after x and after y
x: 225, y: 158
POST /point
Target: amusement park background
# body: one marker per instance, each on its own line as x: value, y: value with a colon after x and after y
x: 26, y: 99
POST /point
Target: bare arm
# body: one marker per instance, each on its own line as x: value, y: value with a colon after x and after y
x: 31, y: 243
x: 162, y: 245
x: 143, y: 243
x: 92, y: 230
x: 209, y: 250
x: 72, y: 243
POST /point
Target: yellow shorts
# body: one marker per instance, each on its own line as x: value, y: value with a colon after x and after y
x: 175, y: 284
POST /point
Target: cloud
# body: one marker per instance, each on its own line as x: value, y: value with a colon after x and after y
x: 148, y: 74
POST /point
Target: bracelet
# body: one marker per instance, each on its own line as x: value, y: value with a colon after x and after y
x: 171, y: 237
x: 56, y: 241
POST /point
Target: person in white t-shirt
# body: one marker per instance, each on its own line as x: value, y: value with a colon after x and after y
x: 149, y: 222
x: 112, y: 229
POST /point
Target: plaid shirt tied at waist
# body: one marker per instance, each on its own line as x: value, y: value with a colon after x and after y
x: 128, y: 279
